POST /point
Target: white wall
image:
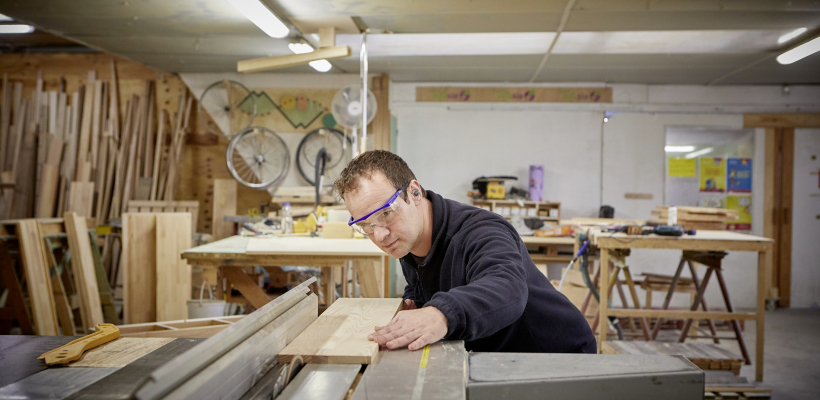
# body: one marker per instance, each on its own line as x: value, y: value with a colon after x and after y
x: 805, y: 288
x: 448, y: 149
x: 588, y: 163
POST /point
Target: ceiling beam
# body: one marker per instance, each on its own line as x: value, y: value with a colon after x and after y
x: 564, y: 18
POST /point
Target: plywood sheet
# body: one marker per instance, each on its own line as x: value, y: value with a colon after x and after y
x: 173, y: 273
x: 119, y: 352
x: 82, y: 263
x: 339, y: 335
x: 40, y: 293
x: 139, y: 278
x: 317, y: 246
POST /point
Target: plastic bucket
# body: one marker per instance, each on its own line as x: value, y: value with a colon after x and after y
x: 205, y: 308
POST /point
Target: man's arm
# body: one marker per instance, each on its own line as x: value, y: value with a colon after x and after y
x: 496, y: 292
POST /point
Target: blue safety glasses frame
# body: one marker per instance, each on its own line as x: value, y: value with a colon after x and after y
x: 388, y: 204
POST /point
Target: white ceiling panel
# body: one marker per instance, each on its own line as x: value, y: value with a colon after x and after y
x: 668, y: 42
x: 452, y: 44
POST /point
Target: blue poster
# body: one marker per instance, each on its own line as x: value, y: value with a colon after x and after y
x: 739, y: 175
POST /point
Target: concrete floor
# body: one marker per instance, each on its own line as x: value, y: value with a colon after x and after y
x: 792, y: 353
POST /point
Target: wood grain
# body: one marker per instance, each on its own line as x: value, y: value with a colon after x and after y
x: 32, y: 251
x: 339, y: 335
x: 82, y: 263
x: 173, y: 272
x: 224, y: 204
x: 80, y: 198
x: 139, y: 269
x: 119, y: 352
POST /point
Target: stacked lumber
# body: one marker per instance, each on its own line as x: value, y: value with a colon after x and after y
x: 706, y: 356
x: 705, y: 218
x: 75, y: 152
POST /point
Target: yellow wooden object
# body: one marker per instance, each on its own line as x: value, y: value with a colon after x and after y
x: 74, y: 349
x: 311, y: 223
x: 495, y: 190
x: 299, y: 227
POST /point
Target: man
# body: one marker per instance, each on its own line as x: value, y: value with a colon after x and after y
x: 468, y: 273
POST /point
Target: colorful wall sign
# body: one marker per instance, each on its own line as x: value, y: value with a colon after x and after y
x: 743, y: 204
x: 739, y: 175
x: 682, y: 167
x: 285, y: 109
x: 513, y: 94
x: 712, y: 174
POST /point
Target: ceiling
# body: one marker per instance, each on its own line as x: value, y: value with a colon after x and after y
x: 612, y: 41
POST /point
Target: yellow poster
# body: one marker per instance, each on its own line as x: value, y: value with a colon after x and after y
x: 712, y: 174
x: 743, y: 205
x: 682, y: 167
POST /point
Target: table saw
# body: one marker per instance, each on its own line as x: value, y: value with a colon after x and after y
x: 240, y: 362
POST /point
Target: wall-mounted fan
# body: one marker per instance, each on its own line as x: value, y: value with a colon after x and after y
x: 348, y: 107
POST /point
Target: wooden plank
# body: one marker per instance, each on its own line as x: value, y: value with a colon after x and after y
x: 41, y: 298
x: 245, y: 285
x: 371, y: 278
x: 84, y: 142
x: 224, y: 204
x: 119, y: 352
x: 339, y: 335
x: 159, y: 148
x: 770, y: 214
x: 233, y: 374
x: 674, y: 314
x: 781, y: 120
x: 173, y: 272
x: 82, y: 263
x: 96, y: 116
x: 138, y: 268
x: 131, y: 160
x: 4, y: 121
x: 784, y: 242
x: 119, y: 177
x: 80, y: 198
x: 268, y: 63
x: 64, y: 314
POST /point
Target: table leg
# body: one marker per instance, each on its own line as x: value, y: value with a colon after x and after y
x: 370, y: 278
x: 345, y: 292
x: 245, y: 285
x: 668, y: 299
x: 696, y: 280
x: 604, y: 295
x: 763, y: 268
x: 735, y: 324
x: 634, y: 294
x: 696, y: 304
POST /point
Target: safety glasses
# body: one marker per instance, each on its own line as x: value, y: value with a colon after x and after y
x: 382, y: 216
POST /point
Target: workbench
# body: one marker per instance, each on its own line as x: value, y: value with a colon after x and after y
x: 444, y: 370
x: 226, y: 256
x: 701, y: 242
x: 551, y: 249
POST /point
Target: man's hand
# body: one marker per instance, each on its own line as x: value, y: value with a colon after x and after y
x: 414, y: 328
x: 408, y: 304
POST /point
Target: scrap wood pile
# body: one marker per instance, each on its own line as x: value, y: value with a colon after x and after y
x: 75, y: 152
x: 706, y: 356
x: 706, y: 218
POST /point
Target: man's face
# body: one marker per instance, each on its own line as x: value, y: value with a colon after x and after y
x: 399, y: 237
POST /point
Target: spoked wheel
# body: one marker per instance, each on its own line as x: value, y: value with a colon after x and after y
x: 221, y: 100
x: 257, y: 157
x: 333, y: 141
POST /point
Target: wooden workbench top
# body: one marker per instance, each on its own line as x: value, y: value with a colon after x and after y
x: 250, y: 249
x: 702, y: 240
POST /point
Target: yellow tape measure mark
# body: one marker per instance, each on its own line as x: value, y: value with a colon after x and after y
x: 424, y: 355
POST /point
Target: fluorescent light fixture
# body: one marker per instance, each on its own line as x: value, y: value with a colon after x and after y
x: 262, y: 17
x: 678, y: 149
x: 300, y: 48
x: 791, y: 35
x: 606, y: 119
x: 699, y: 152
x: 4, y: 17
x: 321, y: 65
x: 15, y: 28
x: 800, y: 52
x: 303, y: 48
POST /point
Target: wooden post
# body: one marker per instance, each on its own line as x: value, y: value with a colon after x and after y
x: 224, y: 204
x: 604, y: 295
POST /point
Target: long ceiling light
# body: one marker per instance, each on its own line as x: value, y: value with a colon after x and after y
x: 678, y: 149
x: 800, y: 52
x: 700, y: 152
x: 262, y: 17
x: 791, y: 35
x: 15, y: 28
x: 302, y: 48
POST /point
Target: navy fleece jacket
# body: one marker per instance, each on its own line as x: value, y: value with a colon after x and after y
x: 479, y: 275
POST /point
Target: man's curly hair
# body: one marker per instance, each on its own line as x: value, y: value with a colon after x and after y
x: 363, y: 166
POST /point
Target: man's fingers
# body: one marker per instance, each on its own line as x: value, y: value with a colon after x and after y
x: 403, y: 340
x: 399, y: 331
x: 419, y: 343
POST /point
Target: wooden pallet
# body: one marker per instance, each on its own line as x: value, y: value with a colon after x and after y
x: 706, y: 356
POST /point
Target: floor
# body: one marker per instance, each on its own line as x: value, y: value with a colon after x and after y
x: 792, y: 353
